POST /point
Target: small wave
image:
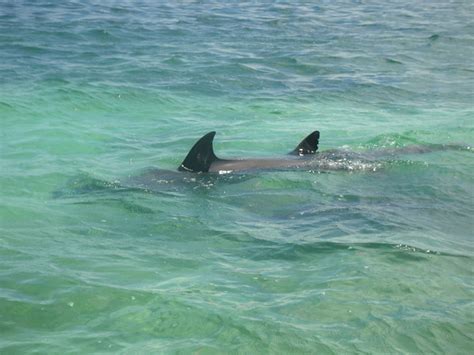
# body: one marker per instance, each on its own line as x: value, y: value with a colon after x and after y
x: 101, y: 34
x: 84, y: 184
x: 275, y: 250
x: 5, y: 106
x: 392, y: 61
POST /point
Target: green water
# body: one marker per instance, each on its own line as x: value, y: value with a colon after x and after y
x: 92, y: 93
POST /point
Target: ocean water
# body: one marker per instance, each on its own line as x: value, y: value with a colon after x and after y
x: 94, y: 92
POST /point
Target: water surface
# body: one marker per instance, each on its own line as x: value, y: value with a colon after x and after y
x: 273, y: 262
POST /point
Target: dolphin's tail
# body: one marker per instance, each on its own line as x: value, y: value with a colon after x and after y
x: 309, y: 145
x: 201, y: 155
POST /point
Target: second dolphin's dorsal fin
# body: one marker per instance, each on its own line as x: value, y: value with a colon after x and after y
x: 309, y: 145
x: 201, y: 155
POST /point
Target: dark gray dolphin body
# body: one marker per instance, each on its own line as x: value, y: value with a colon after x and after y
x: 202, y: 159
x: 202, y: 168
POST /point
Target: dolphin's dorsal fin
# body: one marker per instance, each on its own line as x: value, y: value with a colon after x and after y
x: 201, y: 155
x: 309, y: 145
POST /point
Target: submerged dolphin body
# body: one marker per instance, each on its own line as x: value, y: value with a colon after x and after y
x: 202, y: 168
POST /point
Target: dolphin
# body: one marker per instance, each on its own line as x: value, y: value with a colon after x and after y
x: 202, y: 167
x: 202, y: 159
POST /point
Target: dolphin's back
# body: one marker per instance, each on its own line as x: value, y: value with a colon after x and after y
x: 202, y: 159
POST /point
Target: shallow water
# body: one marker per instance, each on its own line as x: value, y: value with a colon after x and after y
x: 92, y: 93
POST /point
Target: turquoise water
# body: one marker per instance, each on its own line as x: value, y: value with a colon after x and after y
x: 92, y: 92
